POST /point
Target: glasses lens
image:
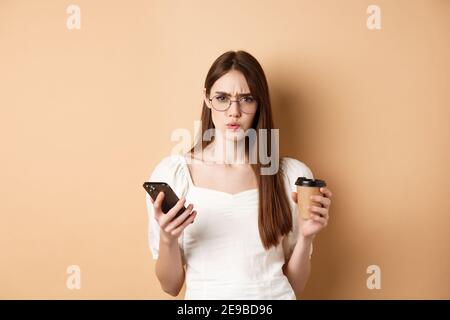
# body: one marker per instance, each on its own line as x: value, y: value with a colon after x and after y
x: 220, y: 103
x: 248, y: 104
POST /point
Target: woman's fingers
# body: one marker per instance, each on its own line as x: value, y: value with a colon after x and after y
x: 324, y: 201
x: 294, y: 196
x: 173, y: 212
x: 321, y: 220
x: 157, y: 204
x: 326, y: 191
x: 179, y: 220
x: 318, y: 210
x: 165, y: 218
x: 180, y: 228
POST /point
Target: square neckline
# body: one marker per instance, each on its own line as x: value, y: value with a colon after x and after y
x: 191, y: 182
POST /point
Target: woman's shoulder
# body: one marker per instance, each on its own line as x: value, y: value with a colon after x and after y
x: 170, y: 162
x: 293, y: 166
x: 292, y: 169
x: 170, y: 169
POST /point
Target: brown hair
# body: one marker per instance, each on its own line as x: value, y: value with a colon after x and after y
x: 274, y: 217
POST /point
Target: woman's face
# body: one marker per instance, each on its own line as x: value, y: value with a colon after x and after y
x: 235, y: 85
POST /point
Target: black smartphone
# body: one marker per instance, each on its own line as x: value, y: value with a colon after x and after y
x: 170, y: 197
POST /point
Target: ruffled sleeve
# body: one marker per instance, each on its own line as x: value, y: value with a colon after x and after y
x: 171, y: 171
x: 292, y: 169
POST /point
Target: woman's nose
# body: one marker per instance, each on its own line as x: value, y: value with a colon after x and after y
x: 235, y: 109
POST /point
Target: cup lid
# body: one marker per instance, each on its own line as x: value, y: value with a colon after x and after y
x: 305, y: 182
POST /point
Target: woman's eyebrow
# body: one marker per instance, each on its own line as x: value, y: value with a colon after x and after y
x: 228, y: 94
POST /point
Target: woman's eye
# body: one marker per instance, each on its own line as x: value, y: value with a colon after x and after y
x: 248, y: 99
x: 221, y: 98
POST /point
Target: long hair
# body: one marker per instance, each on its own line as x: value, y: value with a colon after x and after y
x: 274, y: 213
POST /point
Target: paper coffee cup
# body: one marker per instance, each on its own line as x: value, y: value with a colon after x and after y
x: 305, y: 189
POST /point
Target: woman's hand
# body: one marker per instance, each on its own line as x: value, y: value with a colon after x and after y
x: 308, y: 228
x: 170, y: 229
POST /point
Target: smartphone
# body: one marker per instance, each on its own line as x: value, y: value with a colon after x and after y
x: 170, y: 197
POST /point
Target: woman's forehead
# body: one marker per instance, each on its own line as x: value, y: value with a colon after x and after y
x: 232, y: 83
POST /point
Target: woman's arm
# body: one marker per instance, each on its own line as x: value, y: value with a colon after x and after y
x: 298, y: 267
x: 169, y: 266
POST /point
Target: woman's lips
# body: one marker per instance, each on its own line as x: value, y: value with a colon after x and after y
x: 233, y: 127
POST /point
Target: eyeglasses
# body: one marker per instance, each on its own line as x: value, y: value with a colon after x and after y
x: 247, y: 104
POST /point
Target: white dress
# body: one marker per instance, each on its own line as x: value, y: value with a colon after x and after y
x: 222, y: 249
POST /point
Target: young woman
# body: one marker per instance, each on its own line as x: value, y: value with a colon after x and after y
x: 245, y: 238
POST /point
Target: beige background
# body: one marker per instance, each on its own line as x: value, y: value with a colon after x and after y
x: 87, y: 114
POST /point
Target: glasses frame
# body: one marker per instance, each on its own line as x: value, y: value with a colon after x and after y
x: 230, y: 102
